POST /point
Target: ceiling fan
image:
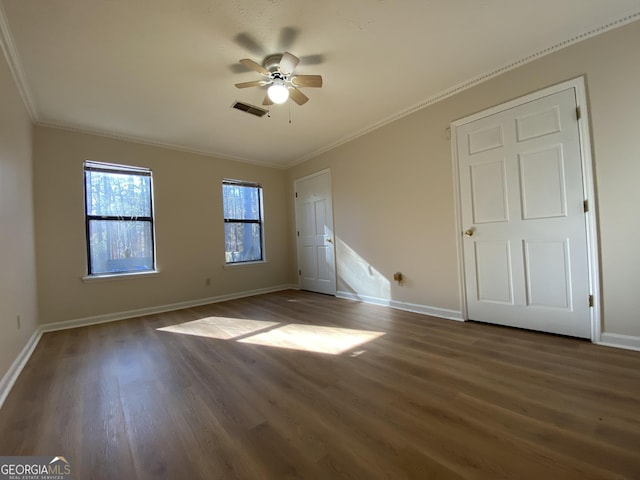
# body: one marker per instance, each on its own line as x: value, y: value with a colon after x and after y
x: 282, y: 83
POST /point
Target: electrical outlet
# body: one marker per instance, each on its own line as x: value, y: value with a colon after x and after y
x: 18, y: 322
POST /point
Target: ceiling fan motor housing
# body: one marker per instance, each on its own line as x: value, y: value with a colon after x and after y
x: 272, y: 62
x: 279, y: 68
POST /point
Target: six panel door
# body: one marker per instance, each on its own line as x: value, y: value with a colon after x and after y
x: 522, y: 208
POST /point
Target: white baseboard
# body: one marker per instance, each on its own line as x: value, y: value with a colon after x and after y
x: 113, y: 317
x: 9, y: 379
x: 409, y: 307
x: 628, y: 342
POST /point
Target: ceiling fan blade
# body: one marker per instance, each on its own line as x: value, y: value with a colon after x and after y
x: 267, y: 101
x: 255, y: 83
x: 297, y: 96
x: 247, y: 62
x: 307, y: 81
x: 288, y: 36
x: 247, y: 41
x: 288, y: 62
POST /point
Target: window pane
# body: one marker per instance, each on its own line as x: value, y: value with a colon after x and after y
x: 118, y: 194
x: 242, y: 242
x: 120, y: 246
x: 241, y: 202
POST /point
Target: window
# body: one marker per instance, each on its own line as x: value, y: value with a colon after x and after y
x: 242, y: 221
x: 119, y: 219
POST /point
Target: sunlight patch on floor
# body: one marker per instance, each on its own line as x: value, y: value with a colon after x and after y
x: 312, y: 338
x: 222, y: 328
x: 309, y: 338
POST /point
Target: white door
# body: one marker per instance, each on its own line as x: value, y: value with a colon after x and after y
x: 522, y: 209
x: 314, y: 225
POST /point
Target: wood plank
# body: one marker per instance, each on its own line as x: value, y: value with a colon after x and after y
x: 429, y: 398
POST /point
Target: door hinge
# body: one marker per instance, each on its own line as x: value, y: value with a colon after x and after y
x: 296, y: 194
x: 578, y: 113
x: 298, y: 232
x: 591, y: 300
x: 585, y: 206
x: 299, y: 273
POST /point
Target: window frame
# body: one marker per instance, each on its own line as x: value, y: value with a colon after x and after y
x: 104, y: 167
x: 259, y: 221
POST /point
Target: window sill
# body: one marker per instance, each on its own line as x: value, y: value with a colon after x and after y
x: 243, y: 264
x: 118, y: 276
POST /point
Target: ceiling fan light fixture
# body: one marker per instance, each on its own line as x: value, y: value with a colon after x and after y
x: 278, y: 92
x: 278, y: 76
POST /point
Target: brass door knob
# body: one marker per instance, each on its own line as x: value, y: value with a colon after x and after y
x: 329, y: 240
x: 468, y: 233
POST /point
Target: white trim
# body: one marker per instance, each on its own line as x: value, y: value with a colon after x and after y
x: 119, y: 276
x: 311, y: 175
x: 139, y: 312
x: 9, y: 379
x: 231, y: 266
x: 574, y: 83
x: 458, y: 228
x: 616, y: 340
x: 578, y: 86
x: 588, y: 182
x: 472, y: 82
x: 406, y: 306
x: 15, y: 65
x: 153, y: 143
x: 326, y: 171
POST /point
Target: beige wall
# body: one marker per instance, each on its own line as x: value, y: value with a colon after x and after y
x: 17, y: 256
x: 393, y: 188
x: 189, y: 227
x: 393, y: 203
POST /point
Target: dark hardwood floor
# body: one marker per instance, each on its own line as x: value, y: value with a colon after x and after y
x: 423, y: 398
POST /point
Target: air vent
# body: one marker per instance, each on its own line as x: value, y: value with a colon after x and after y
x: 252, y: 109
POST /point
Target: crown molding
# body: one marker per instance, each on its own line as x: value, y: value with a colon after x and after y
x: 472, y: 82
x: 152, y: 143
x: 15, y: 65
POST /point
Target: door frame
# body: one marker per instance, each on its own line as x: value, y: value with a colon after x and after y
x: 579, y: 89
x: 295, y: 213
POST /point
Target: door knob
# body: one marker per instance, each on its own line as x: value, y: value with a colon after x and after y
x: 468, y: 233
x: 329, y: 240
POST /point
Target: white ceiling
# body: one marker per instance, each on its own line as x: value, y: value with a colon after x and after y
x: 163, y: 71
